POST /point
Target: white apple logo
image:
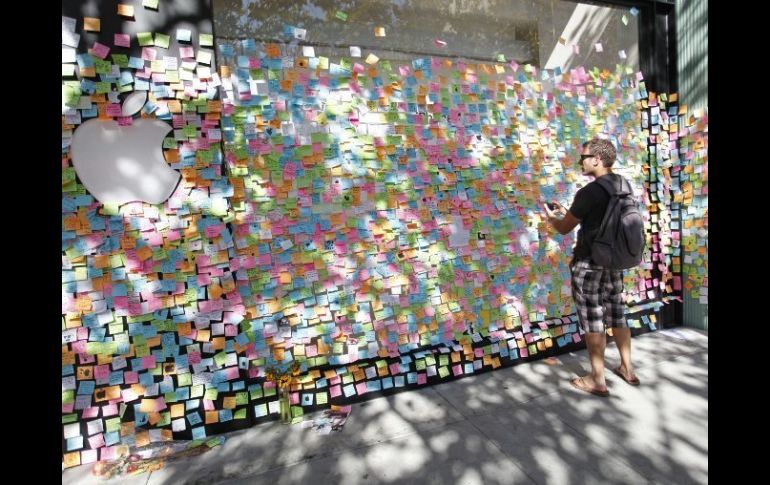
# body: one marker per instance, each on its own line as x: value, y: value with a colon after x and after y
x: 120, y: 164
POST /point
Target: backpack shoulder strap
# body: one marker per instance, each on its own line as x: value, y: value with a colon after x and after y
x: 620, y: 188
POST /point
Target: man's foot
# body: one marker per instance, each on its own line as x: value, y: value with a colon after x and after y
x: 586, y: 384
x: 626, y: 376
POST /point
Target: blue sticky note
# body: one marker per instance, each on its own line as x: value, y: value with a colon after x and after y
x: 199, y: 433
x: 74, y: 443
x: 260, y: 410
x: 194, y: 418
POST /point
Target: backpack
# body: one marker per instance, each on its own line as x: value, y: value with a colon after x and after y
x: 620, y: 241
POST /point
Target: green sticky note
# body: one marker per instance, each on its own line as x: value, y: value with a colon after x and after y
x: 255, y: 393
x: 241, y: 398
x: 112, y: 424
x: 69, y: 418
x: 165, y: 419
x: 443, y: 372
x: 111, y: 209
x: 196, y: 391
x: 144, y: 38
x: 162, y: 40
x: 220, y: 358
x: 67, y: 70
x: 120, y: 59
x: 70, y: 94
x: 184, y: 379
x: 211, y: 394
x: 321, y: 398
x: 150, y: 4
x: 68, y: 396
x: 206, y: 39
x: 341, y: 15
x: 240, y: 414
x: 190, y: 131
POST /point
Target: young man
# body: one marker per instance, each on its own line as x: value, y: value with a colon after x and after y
x: 597, y: 291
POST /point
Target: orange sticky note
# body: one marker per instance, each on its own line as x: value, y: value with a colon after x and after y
x: 379, y: 31
x: 92, y: 24
x: 177, y: 410
x: 71, y: 459
x: 273, y: 50
x: 144, y: 253
x: 125, y: 10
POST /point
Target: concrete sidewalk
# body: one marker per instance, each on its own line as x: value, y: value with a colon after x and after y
x: 522, y: 424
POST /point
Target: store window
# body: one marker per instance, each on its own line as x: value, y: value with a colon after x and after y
x: 545, y: 33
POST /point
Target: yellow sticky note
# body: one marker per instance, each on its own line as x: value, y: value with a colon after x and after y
x: 150, y: 4
x: 206, y: 39
x: 372, y: 59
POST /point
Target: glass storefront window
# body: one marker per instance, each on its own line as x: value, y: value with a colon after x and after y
x: 545, y: 33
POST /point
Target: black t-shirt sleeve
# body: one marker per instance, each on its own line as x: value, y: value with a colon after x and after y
x: 584, y: 201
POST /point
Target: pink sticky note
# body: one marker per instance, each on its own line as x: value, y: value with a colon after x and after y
x: 96, y: 441
x: 186, y: 52
x: 122, y: 40
x: 90, y: 412
x: 113, y: 109
x: 335, y: 391
x: 361, y: 388
x: 149, y: 54
x: 148, y: 361
x: 109, y: 410
x: 575, y: 338
x: 100, y: 50
x: 107, y: 453
x: 88, y: 456
x: 422, y: 378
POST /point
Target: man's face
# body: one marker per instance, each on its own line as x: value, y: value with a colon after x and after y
x: 586, y: 161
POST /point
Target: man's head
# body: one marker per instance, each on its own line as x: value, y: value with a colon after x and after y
x: 597, y: 157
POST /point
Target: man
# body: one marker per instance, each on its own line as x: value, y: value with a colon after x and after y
x: 597, y: 291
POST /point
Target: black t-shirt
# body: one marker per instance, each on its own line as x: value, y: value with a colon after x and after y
x: 589, y: 206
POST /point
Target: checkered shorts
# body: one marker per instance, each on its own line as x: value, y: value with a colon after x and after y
x: 598, y: 295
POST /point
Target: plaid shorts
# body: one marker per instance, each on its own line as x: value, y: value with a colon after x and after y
x: 598, y: 295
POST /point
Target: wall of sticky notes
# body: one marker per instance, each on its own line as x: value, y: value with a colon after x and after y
x: 377, y: 223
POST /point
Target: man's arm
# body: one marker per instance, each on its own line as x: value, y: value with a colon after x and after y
x: 563, y: 225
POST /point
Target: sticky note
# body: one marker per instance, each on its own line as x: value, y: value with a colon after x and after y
x: 92, y: 24
x: 122, y: 40
x: 206, y: 39
x: 125, y: 10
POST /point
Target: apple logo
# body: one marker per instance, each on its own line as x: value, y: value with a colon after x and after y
x: 120, y: 164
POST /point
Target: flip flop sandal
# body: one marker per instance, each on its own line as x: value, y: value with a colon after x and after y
x: 634, y: 381
x: 579, y: 383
